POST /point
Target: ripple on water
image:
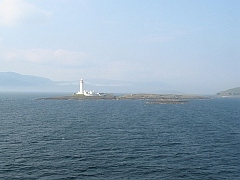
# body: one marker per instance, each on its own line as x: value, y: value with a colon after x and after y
x: 119, y: 139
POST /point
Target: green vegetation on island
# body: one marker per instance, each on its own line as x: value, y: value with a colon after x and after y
x: 162, y: 96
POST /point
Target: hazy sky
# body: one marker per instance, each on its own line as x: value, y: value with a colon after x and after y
x: 193, y: 45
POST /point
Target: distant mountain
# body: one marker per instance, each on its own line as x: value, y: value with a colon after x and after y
x: 11, y: 81
x: 230, y: 92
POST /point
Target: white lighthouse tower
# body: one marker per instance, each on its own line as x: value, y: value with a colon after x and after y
x: 81, y: 87
x: 85, y: 92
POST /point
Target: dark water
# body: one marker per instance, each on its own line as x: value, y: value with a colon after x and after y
x: 107, y: 139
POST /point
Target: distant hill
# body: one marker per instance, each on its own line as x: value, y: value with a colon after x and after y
x: 12, y: 79
x: 230, y: 92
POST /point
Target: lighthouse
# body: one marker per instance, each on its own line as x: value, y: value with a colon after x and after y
x: 81, y: 87
x: 85, y: 92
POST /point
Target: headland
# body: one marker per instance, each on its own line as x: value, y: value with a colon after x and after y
x: 231, y: 93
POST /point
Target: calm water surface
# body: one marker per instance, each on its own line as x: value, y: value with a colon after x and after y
x: 125, y: 139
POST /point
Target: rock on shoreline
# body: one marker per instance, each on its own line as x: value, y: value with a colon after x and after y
x: 168, y: 102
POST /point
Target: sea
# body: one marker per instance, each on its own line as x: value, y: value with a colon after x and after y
x: 118, y: 139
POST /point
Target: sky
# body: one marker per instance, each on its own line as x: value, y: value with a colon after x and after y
x: 192, y: 45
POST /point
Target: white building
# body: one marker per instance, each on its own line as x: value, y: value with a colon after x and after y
x: 85, y: 92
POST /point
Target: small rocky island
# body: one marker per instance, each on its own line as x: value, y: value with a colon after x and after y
x: 149, y: 98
